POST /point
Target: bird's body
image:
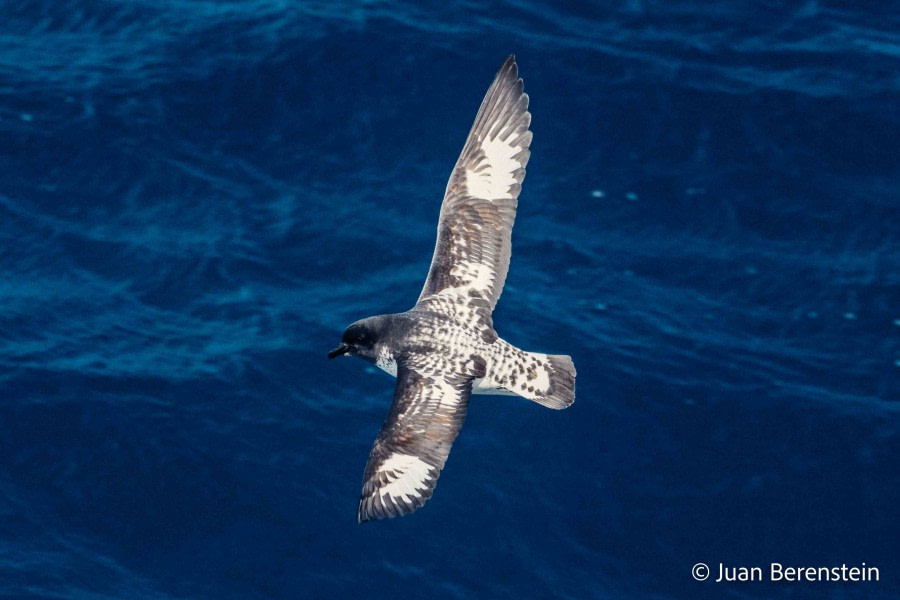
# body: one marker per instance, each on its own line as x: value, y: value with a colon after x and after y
x: 444, y: 336
x: 445, y: 348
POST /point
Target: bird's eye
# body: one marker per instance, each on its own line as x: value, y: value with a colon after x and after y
x: 356, y: 337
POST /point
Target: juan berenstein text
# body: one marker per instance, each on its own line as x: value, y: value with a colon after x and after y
x: 780, y: 572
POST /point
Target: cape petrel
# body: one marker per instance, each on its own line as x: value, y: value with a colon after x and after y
x: 445, y: 349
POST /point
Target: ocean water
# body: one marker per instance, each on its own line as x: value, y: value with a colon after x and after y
x: 196, y: 197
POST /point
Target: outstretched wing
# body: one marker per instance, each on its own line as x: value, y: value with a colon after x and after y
x: 428, y: 411
x: 473, y: 242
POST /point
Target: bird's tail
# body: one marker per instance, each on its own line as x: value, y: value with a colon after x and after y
x: 560, y: 393
x: 548, y: 379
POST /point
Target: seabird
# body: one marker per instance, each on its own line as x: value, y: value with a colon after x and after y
x: 445, y: 349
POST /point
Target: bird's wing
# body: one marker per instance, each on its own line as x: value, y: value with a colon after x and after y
x: 428, y: 411
x: 471, y: 256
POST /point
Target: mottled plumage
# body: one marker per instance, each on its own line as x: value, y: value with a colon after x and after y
x: 445, y: 348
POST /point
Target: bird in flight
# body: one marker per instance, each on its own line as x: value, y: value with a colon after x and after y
x: 445, y: 349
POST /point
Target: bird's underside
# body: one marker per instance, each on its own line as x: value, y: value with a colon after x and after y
x: 445, y: 348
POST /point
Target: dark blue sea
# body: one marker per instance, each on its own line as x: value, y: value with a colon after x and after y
x: 197, y: 197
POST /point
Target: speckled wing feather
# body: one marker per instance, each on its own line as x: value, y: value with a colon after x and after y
x: 428, y: 411
x: 471, y: 256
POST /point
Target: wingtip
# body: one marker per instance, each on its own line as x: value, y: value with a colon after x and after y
x: 509, y: 66
x: 364, y: 514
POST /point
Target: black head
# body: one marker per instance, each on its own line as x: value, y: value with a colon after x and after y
x: 359, y: 340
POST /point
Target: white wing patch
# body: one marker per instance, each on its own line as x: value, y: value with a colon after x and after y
x: 493, y: 178
x: 407, y: 475
x: 475, y: 276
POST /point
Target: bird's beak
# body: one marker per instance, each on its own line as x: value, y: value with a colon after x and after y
x: 342, y: 349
